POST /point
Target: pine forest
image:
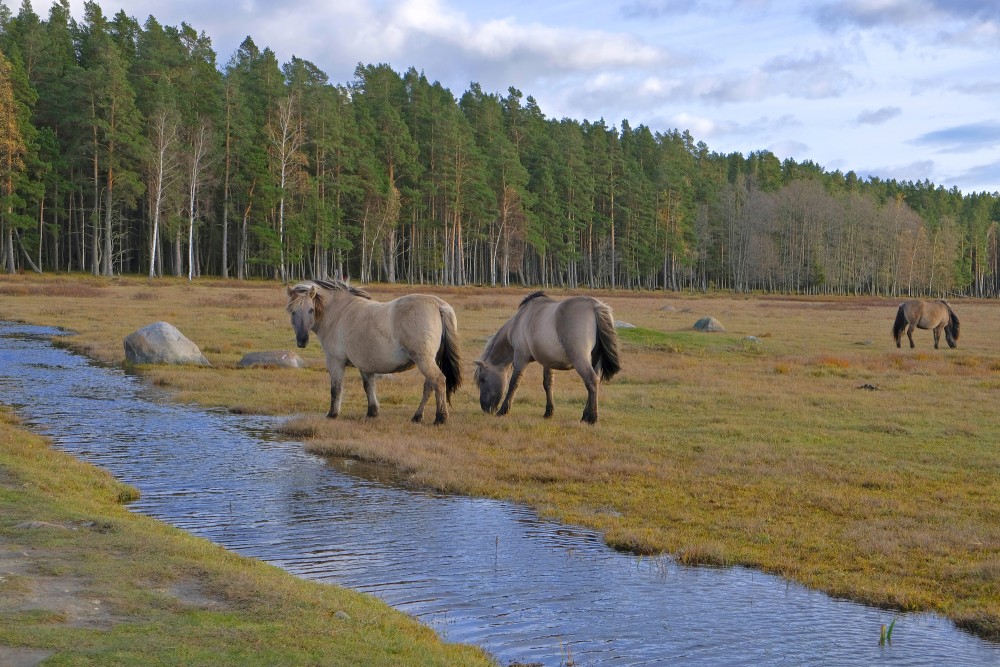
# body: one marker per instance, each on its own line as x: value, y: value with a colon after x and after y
x: 128, y: 148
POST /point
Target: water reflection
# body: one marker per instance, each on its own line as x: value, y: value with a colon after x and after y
x: 477, y: 571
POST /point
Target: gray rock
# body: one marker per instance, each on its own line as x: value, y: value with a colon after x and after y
x: 162, y: 343
x: 282, y: 358
x: 709, y: 324
x: 752, y: 339
x: 620, y: 324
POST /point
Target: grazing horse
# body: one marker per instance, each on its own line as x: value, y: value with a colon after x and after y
x: 577, y: 333
x: 379, y: 338
x: 936, y: 315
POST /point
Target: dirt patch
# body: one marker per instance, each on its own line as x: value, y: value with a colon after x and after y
x: 191, y: 593
x: 22, y: 657
x: 68, y: 598
x: 7, y: 480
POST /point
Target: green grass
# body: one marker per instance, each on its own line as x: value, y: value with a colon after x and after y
x: 678, y: 342
x: 142, y: 593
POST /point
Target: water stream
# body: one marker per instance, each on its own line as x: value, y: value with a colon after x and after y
x: 477, y: 571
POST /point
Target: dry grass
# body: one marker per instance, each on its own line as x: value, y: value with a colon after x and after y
x: 822, y: 452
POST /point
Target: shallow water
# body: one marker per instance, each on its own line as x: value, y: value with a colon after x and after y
x: 477, y: 571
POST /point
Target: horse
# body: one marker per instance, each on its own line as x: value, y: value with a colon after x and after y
x: 379, y: 338
x: 576, y: 333
x: 936, y: 315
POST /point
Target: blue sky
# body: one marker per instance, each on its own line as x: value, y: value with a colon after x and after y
x: 905, y: 89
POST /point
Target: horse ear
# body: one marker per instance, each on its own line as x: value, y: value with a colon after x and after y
x: 479, y: 363
x: 312, y: 291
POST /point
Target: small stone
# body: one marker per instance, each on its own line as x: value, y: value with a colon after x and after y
x: 709, y: 324
x: 343, y: 615
x: 281, y: 358
x: 620, y: 324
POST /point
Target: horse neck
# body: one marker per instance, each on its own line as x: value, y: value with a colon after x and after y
x: 500, y: 352
x: 334, y: 304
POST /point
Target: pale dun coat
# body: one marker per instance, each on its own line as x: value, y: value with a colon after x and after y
x: 936, y: 315
x: 379, y: 338
x: 577, y: 333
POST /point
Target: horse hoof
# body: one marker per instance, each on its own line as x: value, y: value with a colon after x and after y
x: 440, y: 419
x: 331, y: 415
x: 372, y: 414
x: 548, y: 414
x: 590, y: 419
x: 417, y: 418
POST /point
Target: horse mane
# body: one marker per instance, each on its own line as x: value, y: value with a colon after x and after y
x: 531, y: 297
x: 303, y: 290
x: 296, y: 295
x: 342, y: 286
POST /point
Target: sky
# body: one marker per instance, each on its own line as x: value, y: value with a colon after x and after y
x: 899, y: 89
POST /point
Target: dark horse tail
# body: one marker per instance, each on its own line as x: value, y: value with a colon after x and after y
x: 605, y: 358
x: 899, y: 325
x: 449, y: 356
x: 951, y: 331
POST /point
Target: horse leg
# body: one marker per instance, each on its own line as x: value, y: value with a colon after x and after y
x: 590, y: 380
x: 515, y: 380
x: 418, y: 416
x: 434, y: 380
x: 937, y: 336
x: 547, y: 385
x: 368, y: 380
x: 336, y: 387
x: 909, y: 334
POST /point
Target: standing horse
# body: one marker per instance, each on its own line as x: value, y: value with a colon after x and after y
x: 936, y: 315
x: 577, y: 333
x: 379, y: 338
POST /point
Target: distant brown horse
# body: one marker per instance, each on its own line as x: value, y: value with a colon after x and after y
x: 936, y: 315
x: 379, y: 338
x: 577, y: 333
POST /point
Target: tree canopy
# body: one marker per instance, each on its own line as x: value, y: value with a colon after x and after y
x: 126, y: 148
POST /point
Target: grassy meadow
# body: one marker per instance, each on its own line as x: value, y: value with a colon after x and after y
x: 819, y: 451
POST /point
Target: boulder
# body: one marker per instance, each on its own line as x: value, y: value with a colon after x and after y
x: 162, y: 343
x: 622, y: 324
x: 282, y: 358
x: 709, y: 324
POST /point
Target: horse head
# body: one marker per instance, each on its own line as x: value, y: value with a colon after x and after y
x: 491, y: 381
x: 304, y: 305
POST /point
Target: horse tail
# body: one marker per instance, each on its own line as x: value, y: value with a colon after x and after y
x: 899, y: 324
x: 450, y: 355
x: 605, y: 357
x: 951, y: 331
